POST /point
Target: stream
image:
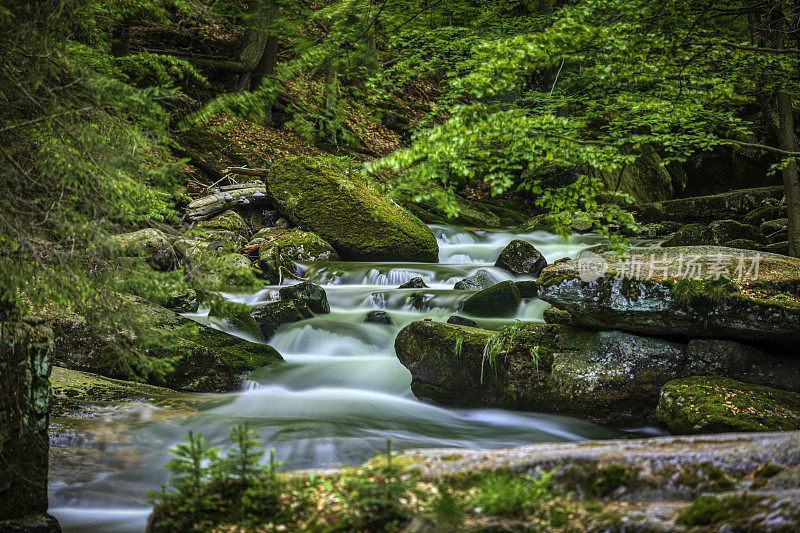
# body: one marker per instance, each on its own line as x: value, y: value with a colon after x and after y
x: 339, y: 396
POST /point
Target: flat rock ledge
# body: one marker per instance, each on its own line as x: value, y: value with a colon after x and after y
x: 645, y: 484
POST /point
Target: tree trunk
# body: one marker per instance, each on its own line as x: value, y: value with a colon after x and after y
x: 255, y: 40
x: 266, y: 65
x: 791, y: 182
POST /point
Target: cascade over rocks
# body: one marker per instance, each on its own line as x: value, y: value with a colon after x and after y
x: 358, y: 222
x: 25, y: 366
x: 270, y: 317
x: 650, y: 295
x: 521, y: 258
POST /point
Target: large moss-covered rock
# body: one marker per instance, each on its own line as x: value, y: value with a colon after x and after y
x: 25, y: 366
x: 656, y: 292
x: 149, y: 243
x: 228, y: 221
x: 358, y: 222
x: 498, y: 300
x: 447, y: 366
x: 714, y: 404
x: 208, y: 360
x: 521, y: 258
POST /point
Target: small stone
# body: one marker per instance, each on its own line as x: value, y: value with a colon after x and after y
x: 461, y: 321
x: 480, y: 280
x: 378, y: 317
x: 414, y: 283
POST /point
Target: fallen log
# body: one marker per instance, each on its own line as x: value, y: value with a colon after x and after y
x: 243, y: 171
x: 225, y: 198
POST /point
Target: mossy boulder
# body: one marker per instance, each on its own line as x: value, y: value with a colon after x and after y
x: 669, y: 292
x: 728, y: 230
x: 358, y: 222
x: 646, y: 179
x: 521, y: 258
x: 310, y: 293
x: 208, y: 360
x: 704, y: 404
x: 379, y: 317
x: 228, y: 221
x: 691, y: 235
x: 149, y: 243
x: 281, y: 248
x: 771, y: 226
x: 414, y: 283
x: 499, y: 300
x: 272, y: 316
x: 447, y: 365
x: 759, y: 215
x: 235, y: 317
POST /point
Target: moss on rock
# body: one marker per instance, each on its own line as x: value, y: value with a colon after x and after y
x: 228, y: 221
x: 149, y: 243
x: 715, y: 404
x: 502, y: 299
x: 358, y: 222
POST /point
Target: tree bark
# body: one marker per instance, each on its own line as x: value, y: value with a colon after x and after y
x: 255, y: 40
x: 791, y: 181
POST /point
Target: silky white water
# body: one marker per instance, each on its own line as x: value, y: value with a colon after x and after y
x: 339, y: 396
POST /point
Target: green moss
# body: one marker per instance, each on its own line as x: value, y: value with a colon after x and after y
x: 360, y: 223
x: 769, y: 470
x: 227, y: 221
x: 556, y: 275
x: 608, y: 479
x: 703, y: 294
x: 709, y: 509
x: 691, y: 235
x: 715, y: 404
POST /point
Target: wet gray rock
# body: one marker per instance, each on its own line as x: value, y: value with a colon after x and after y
x: 482, y: 279
x: 461, y: 321
x: 414, y: 283
x: 521, y: 258
x: 310, y: 293
x: 379, y: 317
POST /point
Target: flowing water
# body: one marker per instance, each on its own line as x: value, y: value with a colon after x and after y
x: 339, y: 396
